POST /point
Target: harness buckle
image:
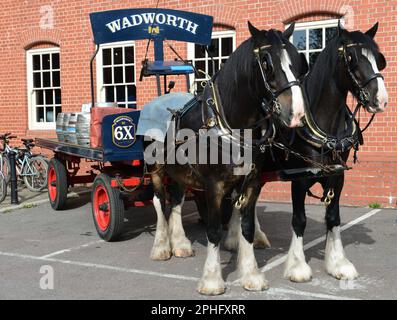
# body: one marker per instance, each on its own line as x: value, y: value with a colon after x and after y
x: 276, y: 107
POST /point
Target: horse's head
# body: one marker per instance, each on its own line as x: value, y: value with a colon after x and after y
x: 360, y: 65
x: 280, y: 66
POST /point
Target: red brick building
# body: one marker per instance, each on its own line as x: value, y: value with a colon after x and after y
x: 45, y: 49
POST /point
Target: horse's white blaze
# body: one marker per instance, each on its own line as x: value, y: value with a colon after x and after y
x: 298, y: 105
x: 296, y: 268
x: 161, y: 248
x: 382, y: 96
x: 211, y: 282
x: 336, y: 262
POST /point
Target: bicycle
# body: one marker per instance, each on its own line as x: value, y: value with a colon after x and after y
x: 31, y: 168
x: 3, y: 187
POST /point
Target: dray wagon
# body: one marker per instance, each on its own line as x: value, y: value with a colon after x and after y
x: 118, y: 171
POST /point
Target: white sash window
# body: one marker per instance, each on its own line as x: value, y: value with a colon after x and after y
x: 116, y: 72
x: 44, y: 87
x: 312, y: 37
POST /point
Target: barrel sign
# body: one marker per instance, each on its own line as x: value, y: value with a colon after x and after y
x: 123, y: 132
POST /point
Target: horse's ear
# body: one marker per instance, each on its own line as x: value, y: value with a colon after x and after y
x: 341, y: 28
x: 254, y: 31
x: 304, y: 65
x: 372, y: 32
x: 381, y: 61
x: 290, y: 30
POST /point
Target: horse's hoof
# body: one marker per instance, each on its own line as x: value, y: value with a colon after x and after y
x: 342, y: 270
x: 231, y: 243
x: 261, y: 241
x: 160, y: 254
x: 211, y: 287
x: 254, y: 282
x: 299, y: 272
x: 183, y: 253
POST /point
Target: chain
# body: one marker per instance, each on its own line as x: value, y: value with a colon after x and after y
x: 324, y: 167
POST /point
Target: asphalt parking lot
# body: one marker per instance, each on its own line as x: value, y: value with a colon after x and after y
x: 85, y: 267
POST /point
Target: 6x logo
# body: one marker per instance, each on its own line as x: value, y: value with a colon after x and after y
x: 123, y: 132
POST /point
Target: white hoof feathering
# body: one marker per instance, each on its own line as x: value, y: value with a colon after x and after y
x: 296, y: 269
x: 336, y: 263
x: 251, y: 278
x: 211, y: 283
x: 181, y: 246
x: 234, y: 229
x: 260, y: 239
x: 161, y: 248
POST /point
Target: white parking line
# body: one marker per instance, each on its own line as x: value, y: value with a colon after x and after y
x: 319, y: 240
x: 59, y: 252
x: 271, y: 291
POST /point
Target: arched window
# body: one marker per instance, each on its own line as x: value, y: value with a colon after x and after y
x: 311, y: 38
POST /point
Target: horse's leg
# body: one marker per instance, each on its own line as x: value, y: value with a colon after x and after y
x: 336, y: 263
x: 296, y: 269
x: 234, y: 230
x: 161, y: 248
x: 211, y: 283
x: 260, y: 239
x: 251, y: 277
x: 181, y: 246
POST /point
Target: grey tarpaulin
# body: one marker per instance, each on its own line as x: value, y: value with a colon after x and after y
x: 155, y: 117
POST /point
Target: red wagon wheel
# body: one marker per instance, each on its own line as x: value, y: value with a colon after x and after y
x: 107, y: 208
x: 57, y: 182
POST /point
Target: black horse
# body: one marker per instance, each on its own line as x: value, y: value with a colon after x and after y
x: 350, y: 63
x: 258, y: 80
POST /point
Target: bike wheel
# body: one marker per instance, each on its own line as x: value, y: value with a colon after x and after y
x: 35, y: 174
x: 5, y: 168
x: 3, y: 187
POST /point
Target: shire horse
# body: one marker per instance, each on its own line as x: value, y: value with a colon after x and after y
x: 351, y: 62
x: 262, y: 72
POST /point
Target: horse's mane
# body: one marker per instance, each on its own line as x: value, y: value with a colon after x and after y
x: 241, y: 67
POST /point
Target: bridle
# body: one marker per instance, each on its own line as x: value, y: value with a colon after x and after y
x: 362, y: 94
x: 353, y: 135
x: 271, y: 106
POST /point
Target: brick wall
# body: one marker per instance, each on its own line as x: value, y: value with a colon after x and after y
x: 373, y: 180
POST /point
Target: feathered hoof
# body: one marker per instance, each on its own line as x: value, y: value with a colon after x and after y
x: 211, y: 286
x: 342, y: 270
x: 261, y: 241
x: 183, y: 252
x: 254, y: 282
x: 299, y: 272
x: 161, y: 253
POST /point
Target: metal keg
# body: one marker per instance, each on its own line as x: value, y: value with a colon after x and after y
x: 71, y: 128
x: 59, y: 127
x: 65, y: 122
x: 83, y: 129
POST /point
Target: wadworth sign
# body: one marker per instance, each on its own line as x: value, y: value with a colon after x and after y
x: 158, y: 24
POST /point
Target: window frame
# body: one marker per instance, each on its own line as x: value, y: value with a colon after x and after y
x: 32, y: 123
x: 217, y: 35
x: 323, y: 24
x: 100, y: 87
